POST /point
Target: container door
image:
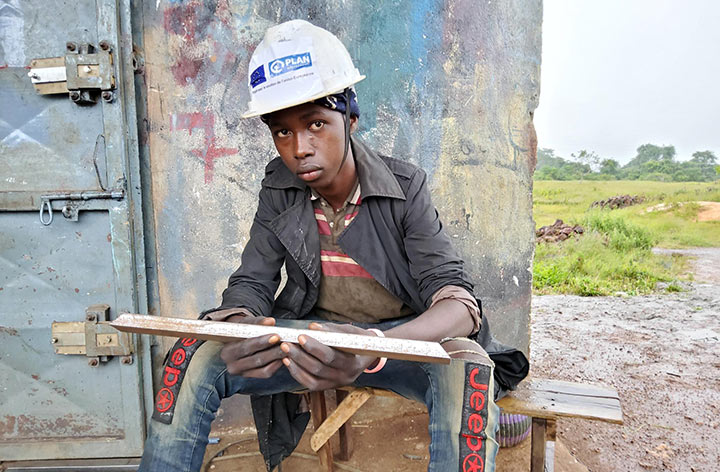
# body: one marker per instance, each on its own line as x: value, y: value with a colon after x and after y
x: 69, y: 159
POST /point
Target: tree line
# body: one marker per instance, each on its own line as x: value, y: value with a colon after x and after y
x: 650, y: 163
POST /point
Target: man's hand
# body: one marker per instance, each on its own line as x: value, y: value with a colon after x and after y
x: 320, y: 367
x: 258, y: 357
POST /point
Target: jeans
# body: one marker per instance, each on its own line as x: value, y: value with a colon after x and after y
x: 461, y: 437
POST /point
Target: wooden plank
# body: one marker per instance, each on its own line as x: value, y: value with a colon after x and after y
x: 552, y: 399
x: 548, y: 408
x: 318, y: 411
x: 373, y: 391
x: 537, y: 445
x: 345, y: 436
x: 580, y: 389
x: 371, y: 345
x: 337, y: 418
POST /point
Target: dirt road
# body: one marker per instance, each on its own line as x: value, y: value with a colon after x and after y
x: 662, y: 353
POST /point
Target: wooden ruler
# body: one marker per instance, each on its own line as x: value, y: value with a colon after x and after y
x: 370, y: 345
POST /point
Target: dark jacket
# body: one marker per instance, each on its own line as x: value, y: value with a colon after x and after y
x: 396, y: 236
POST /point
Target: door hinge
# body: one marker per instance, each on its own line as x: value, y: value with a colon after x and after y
x: 94, y: 338
x: 84, y: 73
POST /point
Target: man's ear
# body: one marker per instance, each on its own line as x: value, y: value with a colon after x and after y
x: 354, y: 124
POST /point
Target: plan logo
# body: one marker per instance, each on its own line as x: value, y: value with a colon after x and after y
x: 289, y: 63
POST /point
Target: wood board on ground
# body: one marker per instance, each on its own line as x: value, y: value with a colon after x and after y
x: 370, y: 345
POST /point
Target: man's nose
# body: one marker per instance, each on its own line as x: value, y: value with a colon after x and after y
x: 303, y: 145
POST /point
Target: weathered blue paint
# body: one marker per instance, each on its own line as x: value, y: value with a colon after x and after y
x: 54, y: 406
x: 451, y: 86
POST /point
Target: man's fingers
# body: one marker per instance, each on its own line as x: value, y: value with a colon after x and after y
x: 308, y: 362
x: 239, y: 349
x: 260, y: 320
x: 306, y: 379
x: 256, y: 361
x: 326, y: 354
x: 264, y: 372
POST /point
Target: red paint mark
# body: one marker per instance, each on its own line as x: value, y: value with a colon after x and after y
x: 195, y: 22
x: 211, y: 153
x: 206, y: 122
x: 77, y: 290
x: 35, y: 376
x: 109, y: 237
x: 4, y: 66
x: 185, y: 70
x: 1, y: 289
x: 50, y: 269
x: 181, y: 19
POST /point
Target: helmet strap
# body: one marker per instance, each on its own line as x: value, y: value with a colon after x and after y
x: 346, y: 118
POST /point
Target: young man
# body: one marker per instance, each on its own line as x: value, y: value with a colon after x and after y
x: 361, y: 243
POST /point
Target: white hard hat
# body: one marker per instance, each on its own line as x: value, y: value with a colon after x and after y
x: 297, y: 62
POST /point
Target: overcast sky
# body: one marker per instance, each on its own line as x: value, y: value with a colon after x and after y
x: 620, y: 73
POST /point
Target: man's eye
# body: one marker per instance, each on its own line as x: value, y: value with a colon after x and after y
x: 281, y: 133
x: 317, y: 124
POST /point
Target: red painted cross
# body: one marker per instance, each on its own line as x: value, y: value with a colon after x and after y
x: 206, y: 122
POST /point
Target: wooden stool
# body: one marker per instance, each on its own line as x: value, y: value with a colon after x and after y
x: 543, y: 400
x: 547, y: 400
x: 349, y: 400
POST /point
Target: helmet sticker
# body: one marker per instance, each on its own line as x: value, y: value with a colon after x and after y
x: 289, y: 63
x: 258, y: 76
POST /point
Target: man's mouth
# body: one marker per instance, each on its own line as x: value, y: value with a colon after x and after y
x: 309, y: 173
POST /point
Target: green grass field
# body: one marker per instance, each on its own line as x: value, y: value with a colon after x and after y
x: 614, y: 253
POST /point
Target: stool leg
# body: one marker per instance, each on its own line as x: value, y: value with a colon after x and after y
x: 318, y: 411
x: 345, y: 432
x: 537, y: 447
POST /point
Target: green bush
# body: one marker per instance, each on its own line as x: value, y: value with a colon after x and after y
x: 621, y: 234
x: 590, y: 266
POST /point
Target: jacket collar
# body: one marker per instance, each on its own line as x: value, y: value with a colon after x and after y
x: 376, y: 178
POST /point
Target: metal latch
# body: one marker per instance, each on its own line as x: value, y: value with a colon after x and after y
x: 94, y: 338
x: 76, y: 201
x: 84, y: 73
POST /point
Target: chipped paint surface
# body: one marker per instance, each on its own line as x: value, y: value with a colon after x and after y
x: 12, y: 38
x: 453, y: 90
x: 26, y: 427
x: 54, y: 406
x: 451, y: 86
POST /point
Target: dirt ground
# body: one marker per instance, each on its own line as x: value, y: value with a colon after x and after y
x: 661, y: 352
x: 709, y: 211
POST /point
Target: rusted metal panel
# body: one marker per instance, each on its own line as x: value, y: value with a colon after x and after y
x: 55, y: 406
x: 452, y: 86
